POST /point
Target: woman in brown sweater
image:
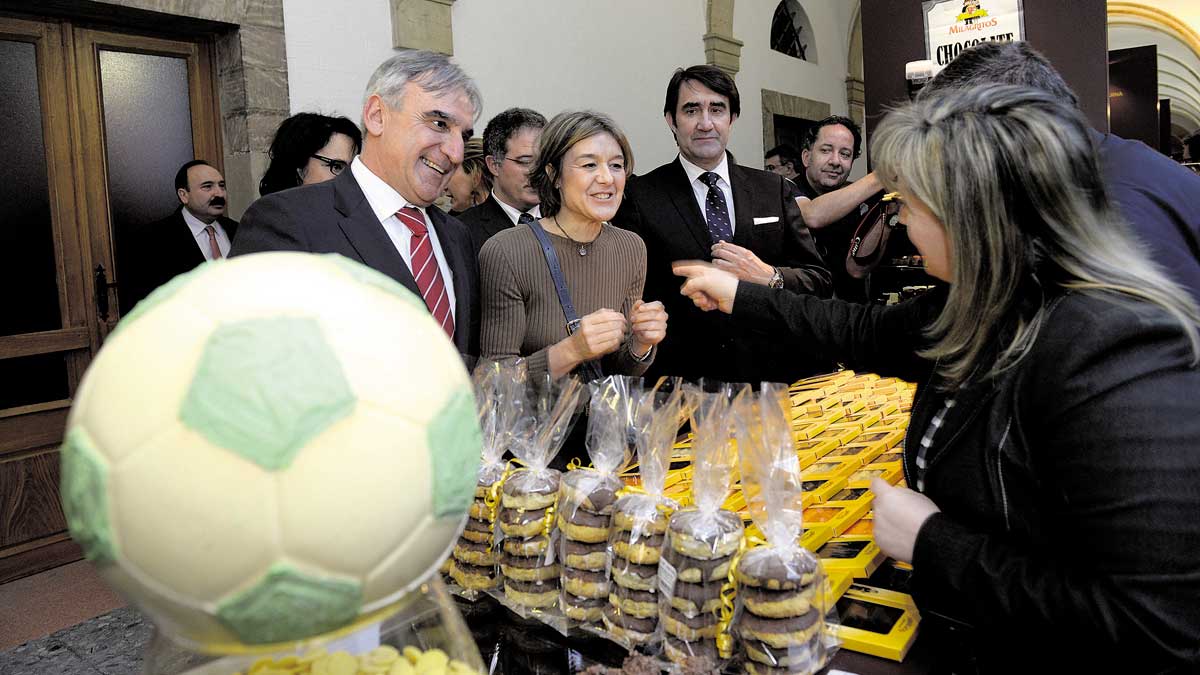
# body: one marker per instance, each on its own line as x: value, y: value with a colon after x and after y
x: 579, y: 174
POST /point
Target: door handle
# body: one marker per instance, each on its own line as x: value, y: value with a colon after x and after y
x: 102, y: 286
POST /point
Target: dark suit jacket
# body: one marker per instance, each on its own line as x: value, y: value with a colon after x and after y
x: 485, y: 220
x: 335, y: 217
x: 661, y: 207
x: 156, y: 253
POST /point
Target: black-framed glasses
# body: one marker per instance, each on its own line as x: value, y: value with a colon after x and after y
x: 523, y: 162
x: 335, y: 166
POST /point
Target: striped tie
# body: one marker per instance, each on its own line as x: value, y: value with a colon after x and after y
x: 425, y: 269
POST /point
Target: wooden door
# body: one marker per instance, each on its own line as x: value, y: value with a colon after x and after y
x: 57, y: 250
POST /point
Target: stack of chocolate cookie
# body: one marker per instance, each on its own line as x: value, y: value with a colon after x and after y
x: 781, y: 624
x: 585, y: 506
x: 473, y: 563
x: 700, y: 549
x: 528, y: 563
x: 638, y: 528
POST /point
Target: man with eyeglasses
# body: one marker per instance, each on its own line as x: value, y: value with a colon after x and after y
x: 419, y: 111
x: 510, y: 148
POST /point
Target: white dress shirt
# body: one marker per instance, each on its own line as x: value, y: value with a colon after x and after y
x: 385, y: 202
x: 197, y: 227
x: 515, y: 215
x: 700, y: 188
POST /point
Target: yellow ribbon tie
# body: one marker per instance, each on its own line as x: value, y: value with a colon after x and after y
x: 729, y: 594
x: 575, y: 463
x: 492, y: 501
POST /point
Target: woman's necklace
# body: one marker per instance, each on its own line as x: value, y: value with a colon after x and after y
x: 581, y: 247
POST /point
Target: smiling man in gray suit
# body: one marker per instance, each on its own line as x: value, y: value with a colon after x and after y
x: 419, y: 111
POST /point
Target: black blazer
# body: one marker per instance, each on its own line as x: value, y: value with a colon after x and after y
x: 335, y: 217
x: 485, y: 220
x: 157, y: 252
x: 661, y: 207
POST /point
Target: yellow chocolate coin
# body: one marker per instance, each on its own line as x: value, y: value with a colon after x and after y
x: 402, y: 668
x: 432, y: 661
x: 412, y: 654
x: 385, y: 654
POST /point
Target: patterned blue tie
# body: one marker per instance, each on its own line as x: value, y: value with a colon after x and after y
x: 524, y: 218
x: 716, y: 212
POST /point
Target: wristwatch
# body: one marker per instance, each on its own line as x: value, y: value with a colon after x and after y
x: 776, y: 279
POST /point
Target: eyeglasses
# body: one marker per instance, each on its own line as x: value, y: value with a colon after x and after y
x: 523, y: 162
x: 335, y: 166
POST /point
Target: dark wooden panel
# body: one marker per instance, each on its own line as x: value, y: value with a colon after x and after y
x: 1133, y: 94
x: 29, y: 503
x: 29, y: 344
x: 38, y: 556
x: 32, y: 431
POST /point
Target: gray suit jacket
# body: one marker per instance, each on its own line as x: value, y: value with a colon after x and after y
x: 335, y: 217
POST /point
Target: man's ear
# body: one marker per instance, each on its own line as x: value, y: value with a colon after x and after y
x: 805, y: 157
x: 670, y: 120
x: 374, y: 115
x: 182, y: 193
x: 492, y: 166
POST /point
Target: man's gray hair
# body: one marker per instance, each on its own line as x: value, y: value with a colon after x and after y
x: 433, y: 72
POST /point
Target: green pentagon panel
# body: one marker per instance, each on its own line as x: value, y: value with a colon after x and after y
x: 455, y: 445
x: 84, y: 491
x: 265, y: 387
x: 290, y: 605
x: 372, y: 277
x: 158, y: 297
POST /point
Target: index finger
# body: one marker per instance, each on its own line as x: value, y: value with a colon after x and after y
x: 689, y: 268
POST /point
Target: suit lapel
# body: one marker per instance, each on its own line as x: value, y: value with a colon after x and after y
x: 679, y: 190
x: 366, y: 234
x: 183, y: 241
x: 743, y: 205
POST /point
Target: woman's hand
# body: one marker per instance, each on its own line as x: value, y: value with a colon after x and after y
x: 899, y: 515
x: 708, y: 287
x: 599, y: 333
x: 742, y: 263
x: 649, y: 324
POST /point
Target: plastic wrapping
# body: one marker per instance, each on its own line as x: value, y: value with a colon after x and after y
x: 525, y: 529
x: 779, y: 616
x: 639, y: 520
x: 702, y: 541
x: 423, y: 629
x: 499, y: 398
x: 587, y: 497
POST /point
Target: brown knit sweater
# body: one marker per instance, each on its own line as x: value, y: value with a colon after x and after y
x: 521, y: 312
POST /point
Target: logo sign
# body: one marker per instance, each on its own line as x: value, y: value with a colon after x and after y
x: 954, y: 25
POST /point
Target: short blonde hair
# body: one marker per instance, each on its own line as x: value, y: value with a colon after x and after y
x: 559, y: 136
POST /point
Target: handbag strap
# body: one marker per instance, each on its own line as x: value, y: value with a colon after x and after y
x: 590, y: 369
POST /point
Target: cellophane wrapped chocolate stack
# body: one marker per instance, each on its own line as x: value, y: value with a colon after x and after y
x: 701, y: 541
x: 639, y: 520
x: 499, y: 395
x: 780, y: 612
x: 528, y: 562
x: 587, y: 497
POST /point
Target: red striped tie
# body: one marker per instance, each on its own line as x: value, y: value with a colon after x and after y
x: 425, y: 269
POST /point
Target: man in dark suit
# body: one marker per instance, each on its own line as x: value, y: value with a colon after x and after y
x: 197, y: 232
x: 509, y: 147
x: 703, y: 206
x: 418, y: 115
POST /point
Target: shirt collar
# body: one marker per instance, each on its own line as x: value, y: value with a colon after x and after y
x: 383, y: 198
x: 515, y: 215
x: 195, y: 224
x: 693, y: 172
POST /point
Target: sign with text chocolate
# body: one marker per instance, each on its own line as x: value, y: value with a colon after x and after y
x: 954, y: 25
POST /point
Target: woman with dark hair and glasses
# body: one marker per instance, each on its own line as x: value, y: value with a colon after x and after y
x: 309, y: 148
x: 1053, y: 455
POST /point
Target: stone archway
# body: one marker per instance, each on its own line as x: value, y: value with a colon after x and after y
x: 856, y: 91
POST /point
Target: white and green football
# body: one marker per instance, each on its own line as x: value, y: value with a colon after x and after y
x: 270, y: 447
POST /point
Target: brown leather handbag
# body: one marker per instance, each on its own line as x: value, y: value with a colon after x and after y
x: 869, y: 243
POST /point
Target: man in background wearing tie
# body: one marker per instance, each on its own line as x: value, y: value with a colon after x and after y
x: 510, y: 145
x: 418, y: 113
x: 197, y: 232
x: 705, y: 206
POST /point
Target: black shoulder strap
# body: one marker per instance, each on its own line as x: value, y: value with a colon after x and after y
x: 589, y: 369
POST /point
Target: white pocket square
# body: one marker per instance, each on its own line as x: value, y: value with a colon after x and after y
x: 764, y: 221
